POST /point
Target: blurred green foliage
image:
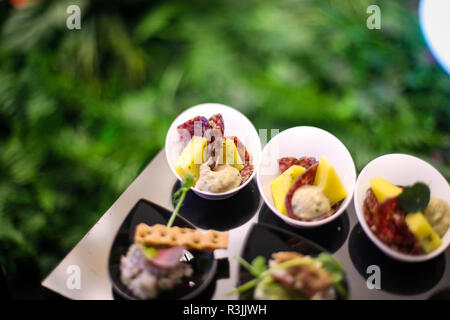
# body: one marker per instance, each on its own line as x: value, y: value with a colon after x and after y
x: 83, y: 112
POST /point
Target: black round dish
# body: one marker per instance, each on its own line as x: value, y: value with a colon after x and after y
x: 263, y: 240
x: 203, y: 263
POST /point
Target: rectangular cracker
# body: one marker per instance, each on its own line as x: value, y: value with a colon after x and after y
x: 160, y: 235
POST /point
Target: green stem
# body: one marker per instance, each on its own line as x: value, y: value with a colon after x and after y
x: 177, y: 208
x: 246, y: 286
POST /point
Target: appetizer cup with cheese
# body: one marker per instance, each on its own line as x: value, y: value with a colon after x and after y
x: 402, y: 204
x: 217, y: 176
x: 306, y: 176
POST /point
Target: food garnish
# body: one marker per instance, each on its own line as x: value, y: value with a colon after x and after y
x: 179, y: 195
x: 414, y: 198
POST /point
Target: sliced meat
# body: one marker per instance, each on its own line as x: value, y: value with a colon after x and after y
x: 242, y: 150
x: 216, y: 123
x: 246, y: 172
x: 195, y: 126
x: 287, y: 162
x: 306, y: 279
x: 168, y: 257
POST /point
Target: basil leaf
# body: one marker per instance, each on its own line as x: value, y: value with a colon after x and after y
x: 414, y: 198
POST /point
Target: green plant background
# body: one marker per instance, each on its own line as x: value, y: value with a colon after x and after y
x: 83, y: 112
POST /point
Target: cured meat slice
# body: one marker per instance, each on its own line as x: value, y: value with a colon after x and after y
x: 248, y: 169
x: 286, y: 162
x: 306, y: 178
x: 215, y: 122
x: 195, y: 126
x: 215, y: 138
x: 387, y: 221
x: 246, y: 172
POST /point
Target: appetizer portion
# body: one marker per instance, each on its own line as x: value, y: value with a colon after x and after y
x: 406, y: 219
x: 158, y: 260
x: 216, y: 162
x: 307, y: 189
x: 290, y: 275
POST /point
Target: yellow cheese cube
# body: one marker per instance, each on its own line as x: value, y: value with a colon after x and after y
x: 191, y: 158
x: 281, y: 185
x: 230, y: 155
x: 328, y: 181
x: 383, y: 189
x: 420, y: 227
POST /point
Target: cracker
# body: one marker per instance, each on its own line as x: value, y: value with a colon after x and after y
x: 160, y: 235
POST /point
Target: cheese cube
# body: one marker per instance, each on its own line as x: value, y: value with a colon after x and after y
x: 420, y: 227
x: 191, y: 158
x: 383, y: 189
x: 281, y: 185
x: 328, y: 181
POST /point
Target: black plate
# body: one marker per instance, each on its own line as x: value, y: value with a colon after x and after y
x: 263, y: 240
x: 203, y: 263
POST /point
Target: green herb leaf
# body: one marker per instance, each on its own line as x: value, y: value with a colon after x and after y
x: 414, y: 198
x: 259, y: 265
x: 188, y: 182
x: 331, y: 265
x: 179, y: 195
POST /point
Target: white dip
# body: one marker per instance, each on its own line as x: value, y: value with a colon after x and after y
x: 309, y: 202
x: 438, y: 215
x: 223, y: 178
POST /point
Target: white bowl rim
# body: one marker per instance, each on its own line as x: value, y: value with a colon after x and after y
x: 316, y: 223
x: 383, y: 247
x: 256, y: 159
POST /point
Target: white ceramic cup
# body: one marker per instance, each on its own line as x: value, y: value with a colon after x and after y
x: 235, y: 123
x: 300, y: 142
x: 405, y: 170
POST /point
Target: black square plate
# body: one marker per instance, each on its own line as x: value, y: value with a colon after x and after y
x: 203, y: 263
x: 263, y: 240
